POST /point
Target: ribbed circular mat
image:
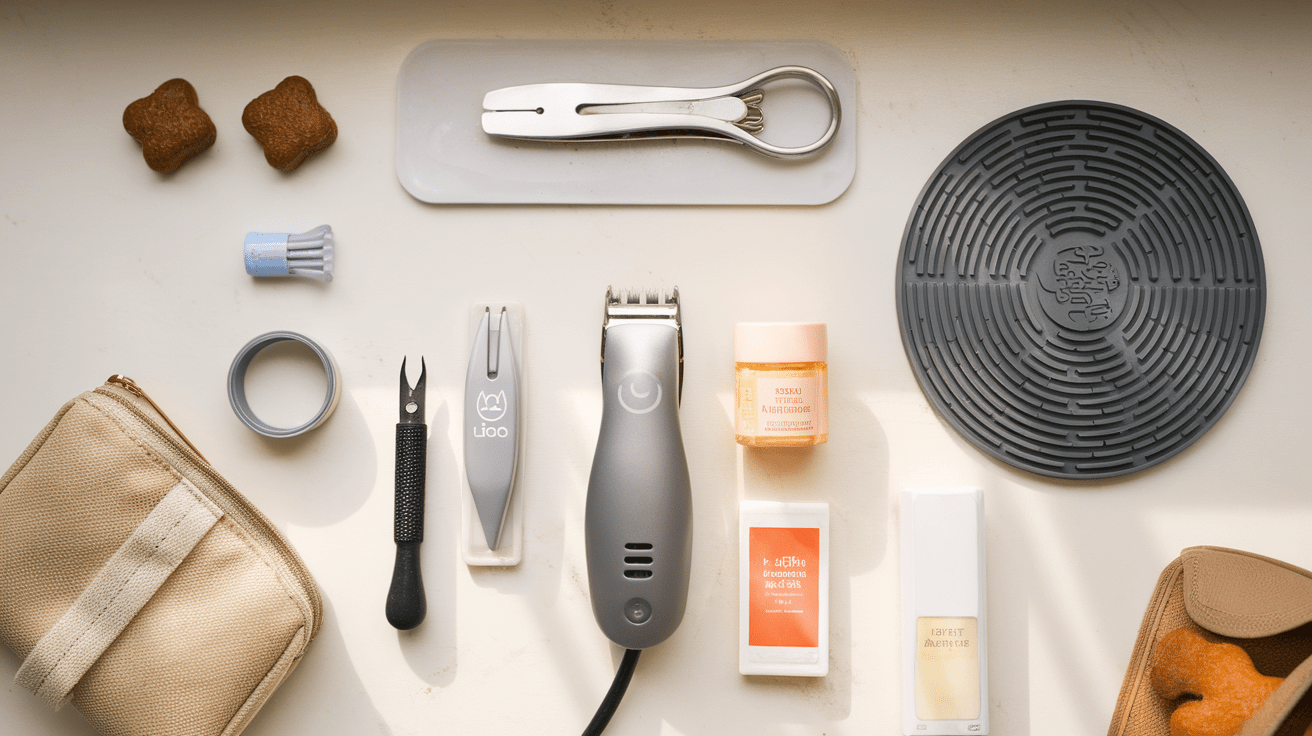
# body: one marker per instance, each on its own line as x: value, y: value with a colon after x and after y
x: 1081, y: 290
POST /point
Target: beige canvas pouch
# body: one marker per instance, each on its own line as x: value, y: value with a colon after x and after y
x: 137, y: 581
x: 1225, y: 595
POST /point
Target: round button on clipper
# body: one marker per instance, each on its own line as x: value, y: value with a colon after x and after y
x: 237, y: 384
x: 637, y: 611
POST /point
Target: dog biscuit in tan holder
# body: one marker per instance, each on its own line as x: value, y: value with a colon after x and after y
x: 1258, y: 603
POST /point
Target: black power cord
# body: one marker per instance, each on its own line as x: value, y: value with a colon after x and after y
x: 615, y: 694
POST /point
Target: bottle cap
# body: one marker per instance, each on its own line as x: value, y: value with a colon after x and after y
x: 780, y: 342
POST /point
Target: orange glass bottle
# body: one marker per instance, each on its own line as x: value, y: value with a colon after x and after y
x: 782, y: 384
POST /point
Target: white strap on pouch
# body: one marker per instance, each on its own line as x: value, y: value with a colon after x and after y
x: 122, y: 587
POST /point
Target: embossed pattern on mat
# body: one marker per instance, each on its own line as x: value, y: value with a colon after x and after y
x: 1080, y: 290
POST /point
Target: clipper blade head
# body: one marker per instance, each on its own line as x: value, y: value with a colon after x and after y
x: 643, y: 305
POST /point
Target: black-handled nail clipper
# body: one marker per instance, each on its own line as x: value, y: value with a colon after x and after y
x: 638, y: 523
x: 406, y: 604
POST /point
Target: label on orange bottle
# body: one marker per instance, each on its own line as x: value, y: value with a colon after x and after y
x: 790, y: 406
x: 784, y: 589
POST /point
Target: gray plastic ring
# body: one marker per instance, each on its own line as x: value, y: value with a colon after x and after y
x: 237, y: 384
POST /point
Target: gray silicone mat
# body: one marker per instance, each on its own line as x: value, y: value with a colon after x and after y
x: 1080, y: 290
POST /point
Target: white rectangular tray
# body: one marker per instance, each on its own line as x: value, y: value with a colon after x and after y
x: 443, y: 155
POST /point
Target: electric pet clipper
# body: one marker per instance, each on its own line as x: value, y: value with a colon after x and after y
x: 638, y: 525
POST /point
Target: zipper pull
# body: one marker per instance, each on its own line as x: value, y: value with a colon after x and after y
x: 129, y: 385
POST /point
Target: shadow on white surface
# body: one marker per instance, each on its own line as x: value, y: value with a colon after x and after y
x: 1010, y: 607
x: 323, y: 695
x: 308, y: 480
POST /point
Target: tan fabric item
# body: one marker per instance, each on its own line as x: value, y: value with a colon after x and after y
x: 118, y: 592
x: 1245, y: 595
x: 219, y: 634
x: 1233, y: 591
x: 1278, y: 708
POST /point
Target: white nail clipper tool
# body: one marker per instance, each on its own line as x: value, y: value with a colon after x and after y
x: 638, y: 523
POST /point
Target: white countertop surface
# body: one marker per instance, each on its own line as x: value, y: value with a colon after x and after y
x: 108, y: 267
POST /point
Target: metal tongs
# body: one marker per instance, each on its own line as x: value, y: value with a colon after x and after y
x: 576, y: 111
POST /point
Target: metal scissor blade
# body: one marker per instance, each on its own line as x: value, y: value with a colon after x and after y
x: 729, y: 109
x: 616, y: 126
x: 569, y: 110
x: 478, y: 357
x: 569, y: 96
x: 412, y: 399
x: 510, y: 123
x: 522, y: 97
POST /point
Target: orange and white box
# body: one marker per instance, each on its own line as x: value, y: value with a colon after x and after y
x: 783, y: 577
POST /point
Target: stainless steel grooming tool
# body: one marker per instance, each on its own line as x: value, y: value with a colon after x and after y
x: 574, y: 111
x: 638, y: 522
x: 492, y: 422
x: 406, y: 605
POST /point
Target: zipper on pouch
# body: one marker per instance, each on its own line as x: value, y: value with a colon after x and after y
x: 224, y: 494
x: 129, y: 385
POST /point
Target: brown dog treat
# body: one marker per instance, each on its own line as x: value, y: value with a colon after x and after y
x: 170, y: 126
x: 290, y: 123
x: 1229, y: 690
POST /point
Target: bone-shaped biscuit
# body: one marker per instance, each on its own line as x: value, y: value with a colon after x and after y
x: 1221, y: 676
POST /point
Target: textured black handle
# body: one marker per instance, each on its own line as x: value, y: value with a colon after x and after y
x: 411, y: 454
x: 406, y: 604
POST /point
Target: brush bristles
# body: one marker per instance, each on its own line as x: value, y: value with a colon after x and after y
x: 310, y: 254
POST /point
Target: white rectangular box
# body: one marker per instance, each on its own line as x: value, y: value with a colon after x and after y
x: 783, y: 583
x: 945, y: 688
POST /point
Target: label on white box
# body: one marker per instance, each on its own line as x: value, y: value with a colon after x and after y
x: 944, y: 631
x: 783, y: 621
x: 947, y: 668
x: 783, y: 587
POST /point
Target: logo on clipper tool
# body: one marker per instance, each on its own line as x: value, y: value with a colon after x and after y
x: 644, y: 392
x: 491, y: 407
